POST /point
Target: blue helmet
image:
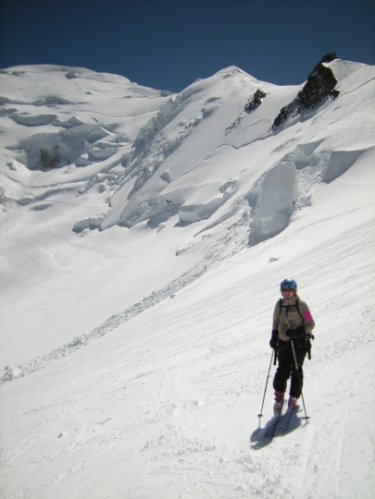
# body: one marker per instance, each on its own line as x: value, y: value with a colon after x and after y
x: 289, y: 284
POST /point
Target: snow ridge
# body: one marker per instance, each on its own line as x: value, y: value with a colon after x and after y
x: 11, y: 373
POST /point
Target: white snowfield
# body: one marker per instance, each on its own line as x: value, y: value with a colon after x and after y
x: 143, y: 239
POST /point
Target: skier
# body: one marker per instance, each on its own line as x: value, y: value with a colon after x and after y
x: 292, y: 322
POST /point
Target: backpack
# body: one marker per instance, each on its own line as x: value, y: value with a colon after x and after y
x: 310, y: 336
x: 296, y: 306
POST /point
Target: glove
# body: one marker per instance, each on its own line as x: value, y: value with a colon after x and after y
x: 294, y: 334
x: 300, y: 332
x: 274, y: 341
x: 289, y: 333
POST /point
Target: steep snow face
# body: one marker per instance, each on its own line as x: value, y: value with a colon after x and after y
x: 273, y: 207
x: 192, y: 177
x: 176, y: 146
x: 210, y: 119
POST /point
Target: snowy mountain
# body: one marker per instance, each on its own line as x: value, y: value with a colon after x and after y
x: 144, y: 236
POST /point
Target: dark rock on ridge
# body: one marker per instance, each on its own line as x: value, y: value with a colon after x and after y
x: 320, y: 85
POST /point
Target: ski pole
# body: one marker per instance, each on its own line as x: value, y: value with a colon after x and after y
x: 299, y: 374
x: 265, y: 388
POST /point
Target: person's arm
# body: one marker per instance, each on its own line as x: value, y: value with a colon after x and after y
x: 275, y: 328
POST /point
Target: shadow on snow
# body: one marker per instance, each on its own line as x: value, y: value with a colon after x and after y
x: 259, y: 438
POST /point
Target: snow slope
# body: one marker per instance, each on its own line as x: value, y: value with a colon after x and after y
x: 138, y: 286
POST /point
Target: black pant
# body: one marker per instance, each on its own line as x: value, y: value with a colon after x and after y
x: 286, y: 367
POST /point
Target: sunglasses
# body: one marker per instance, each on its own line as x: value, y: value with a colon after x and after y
x: 287, y: 290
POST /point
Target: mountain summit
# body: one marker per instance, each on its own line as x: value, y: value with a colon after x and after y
x: 184, y: 158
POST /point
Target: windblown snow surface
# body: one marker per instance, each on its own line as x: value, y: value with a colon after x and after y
x: 143, y: 238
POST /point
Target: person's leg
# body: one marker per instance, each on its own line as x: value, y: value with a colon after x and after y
x: 282, y: 375
x: 296, y: 384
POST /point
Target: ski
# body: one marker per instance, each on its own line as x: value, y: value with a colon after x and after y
x: 272, y: 427
x: 286, y: 420
x: 284, y: 426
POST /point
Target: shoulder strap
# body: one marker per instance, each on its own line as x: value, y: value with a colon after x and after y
x: 280, y: 305
x: 298, y: 309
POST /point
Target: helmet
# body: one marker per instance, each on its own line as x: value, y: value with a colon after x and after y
x: 289, y: 284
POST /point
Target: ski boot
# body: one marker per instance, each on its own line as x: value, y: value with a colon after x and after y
x: 279, y: 401
x: 292, y: 403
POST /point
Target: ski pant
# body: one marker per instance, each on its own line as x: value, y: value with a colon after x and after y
x: 286, y: 368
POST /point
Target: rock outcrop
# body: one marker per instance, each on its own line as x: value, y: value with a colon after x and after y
x: 319, y: 87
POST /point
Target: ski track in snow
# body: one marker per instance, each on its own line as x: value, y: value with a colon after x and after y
x: 179, y: 413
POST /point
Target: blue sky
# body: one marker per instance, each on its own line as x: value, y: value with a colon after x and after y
x: 168, y: 44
